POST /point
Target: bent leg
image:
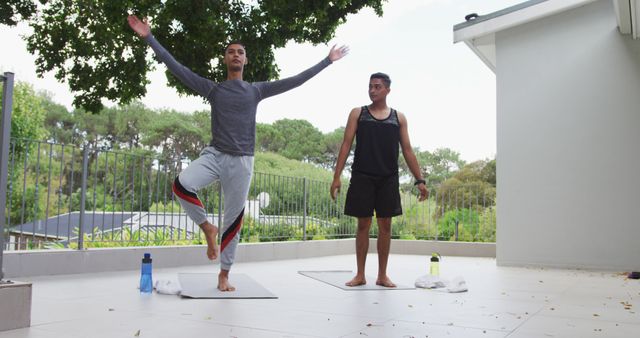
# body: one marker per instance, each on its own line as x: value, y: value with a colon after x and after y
x: 200, y: 173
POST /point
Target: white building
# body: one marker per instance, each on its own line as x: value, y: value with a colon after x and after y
x: 568, y: 130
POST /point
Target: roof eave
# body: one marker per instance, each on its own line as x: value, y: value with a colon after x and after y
x: 479, y: 34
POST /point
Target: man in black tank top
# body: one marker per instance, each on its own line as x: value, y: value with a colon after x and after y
x: 374, y: 185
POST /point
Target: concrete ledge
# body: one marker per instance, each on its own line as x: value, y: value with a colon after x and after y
x: 15, y: 305
x: 466, y: 249
x: 58, y: 262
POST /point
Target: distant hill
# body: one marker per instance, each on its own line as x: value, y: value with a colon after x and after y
x: 272, y: 163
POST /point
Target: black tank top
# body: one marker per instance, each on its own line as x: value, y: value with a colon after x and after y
x: 377, y: 144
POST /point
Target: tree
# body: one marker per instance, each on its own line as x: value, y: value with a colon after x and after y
x: 27, y: 119
x: 177, y: 135
x: 60, y: 123
x: 436, y: 167
x: 266, y: 137
x: 332, y: 143
x: 130, y: 122
x: 13, y: 11
x: 88, y: 43
x: 93, y: 128
x: 298, y: 140
x: 468, y: 188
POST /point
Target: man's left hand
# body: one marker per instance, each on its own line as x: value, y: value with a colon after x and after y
x: 338, y: 53
x: 424, y: 192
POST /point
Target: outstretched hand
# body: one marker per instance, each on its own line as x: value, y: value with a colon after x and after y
x: 141, y: 27
x: 336, y: 54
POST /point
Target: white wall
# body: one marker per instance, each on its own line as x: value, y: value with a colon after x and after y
x: 568, y: 142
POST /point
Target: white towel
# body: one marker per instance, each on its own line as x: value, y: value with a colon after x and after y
x: 167, y: 287
x: 430, y: 282
x: 436, y: 283
x: 457, y: 285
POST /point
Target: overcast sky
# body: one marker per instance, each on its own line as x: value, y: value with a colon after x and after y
x: 446, y: 92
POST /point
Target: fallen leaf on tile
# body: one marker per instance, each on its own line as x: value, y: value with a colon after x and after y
x: 112, y: 309
x: 596, y: 315
x: 137, y: 334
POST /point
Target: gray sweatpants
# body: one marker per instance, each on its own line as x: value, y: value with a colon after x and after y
x: 234, y: 173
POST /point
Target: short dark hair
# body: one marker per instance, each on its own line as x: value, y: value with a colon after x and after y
x: 382, y: 76
x: 234, y: 42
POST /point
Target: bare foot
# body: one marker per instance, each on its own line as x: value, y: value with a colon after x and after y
x: 210, y: 233
x: 386, y: 282
x: 357, y: 280
x: 223, y: 284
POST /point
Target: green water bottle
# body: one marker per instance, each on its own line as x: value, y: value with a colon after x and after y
x: 434, y: 268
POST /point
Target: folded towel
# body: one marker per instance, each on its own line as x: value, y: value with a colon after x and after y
x: 436, y: 283
x: 430, y: 282
x: 167, y: 287
x: 457, y: 285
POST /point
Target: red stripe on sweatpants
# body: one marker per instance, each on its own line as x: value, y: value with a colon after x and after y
x: 232, y: 234
x: 186, y: 197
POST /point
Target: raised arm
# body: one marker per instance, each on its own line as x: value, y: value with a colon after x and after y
x: 347, y: 141
x: 190, y: 79
x: 268, y: 89
x: 410, y: 157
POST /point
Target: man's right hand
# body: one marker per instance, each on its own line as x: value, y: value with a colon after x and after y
x: 141, y: 27
x: 335, y: 188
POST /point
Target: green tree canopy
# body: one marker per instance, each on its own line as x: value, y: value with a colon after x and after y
x: 89, y: 44
x: 12, y: 11
x: 331, y: 144
x: 436, y: 166
x: 472, y: 187
x: 60, y: 123
x: 27, y: 117
x: 177, y: 135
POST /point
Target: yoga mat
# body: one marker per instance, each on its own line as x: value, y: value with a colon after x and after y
x: 205, y: 285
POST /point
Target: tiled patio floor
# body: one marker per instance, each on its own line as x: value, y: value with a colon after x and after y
x: 501, y: 302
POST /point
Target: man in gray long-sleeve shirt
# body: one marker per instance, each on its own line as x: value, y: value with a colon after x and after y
x: 229, y: 157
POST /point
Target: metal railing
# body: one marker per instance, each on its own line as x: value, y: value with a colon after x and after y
x: 5, y: 127
x: 67, y: 196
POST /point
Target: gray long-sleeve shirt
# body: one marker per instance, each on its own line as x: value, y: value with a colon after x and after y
x: 233, y: 102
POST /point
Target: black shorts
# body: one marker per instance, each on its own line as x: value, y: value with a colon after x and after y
x: 368, y: 193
